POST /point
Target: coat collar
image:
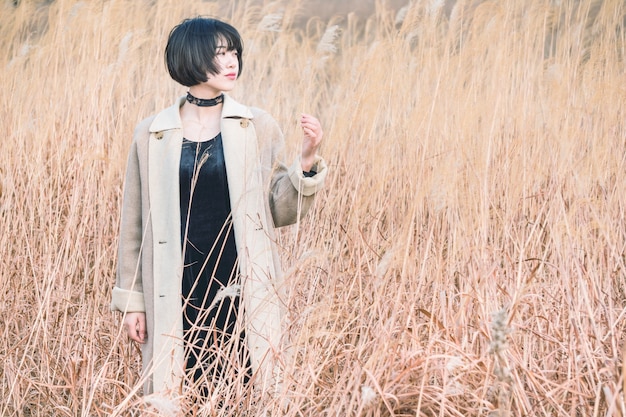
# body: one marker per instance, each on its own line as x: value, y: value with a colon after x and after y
x: 169, y: 118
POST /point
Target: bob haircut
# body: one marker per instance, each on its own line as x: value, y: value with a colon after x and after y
x: 192, y: 46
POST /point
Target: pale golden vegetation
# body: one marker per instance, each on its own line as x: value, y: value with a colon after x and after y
x: 466, y: 258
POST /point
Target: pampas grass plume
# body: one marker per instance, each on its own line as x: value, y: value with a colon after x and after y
x: 271, y: 23
x: 368, y: 395
x: 166, y: 407
x: 328, y: 42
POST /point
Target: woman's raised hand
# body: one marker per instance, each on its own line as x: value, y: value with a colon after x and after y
x: 312, y: 130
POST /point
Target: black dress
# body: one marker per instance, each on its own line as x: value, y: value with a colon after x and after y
x: 210, y: 264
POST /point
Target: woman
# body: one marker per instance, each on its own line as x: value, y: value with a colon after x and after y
x: 204, y: 189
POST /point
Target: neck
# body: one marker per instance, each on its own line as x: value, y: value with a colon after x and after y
x: 191, y: 113
x: 204, y: 92
x: 201, y: 113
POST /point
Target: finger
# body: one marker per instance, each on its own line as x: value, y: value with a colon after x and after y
x: 311, y: 125
x: 131, y: 323
x: 314, y: 129
x: 310, y: 133
x: 141, y: 329
x: 134, y: 336
x: 311, y: 120
x: 131, y: 331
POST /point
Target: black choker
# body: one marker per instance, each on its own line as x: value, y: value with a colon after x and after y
x: 205, y: 102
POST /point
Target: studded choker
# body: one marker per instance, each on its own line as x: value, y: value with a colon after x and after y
x: 205, y: 102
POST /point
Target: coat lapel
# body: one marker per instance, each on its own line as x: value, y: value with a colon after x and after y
x: 164, y: 151
x: 254, y: 247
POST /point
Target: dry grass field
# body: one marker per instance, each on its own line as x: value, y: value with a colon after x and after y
x: 467, y: 257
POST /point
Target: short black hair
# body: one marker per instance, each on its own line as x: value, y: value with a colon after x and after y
x: 191, y: 47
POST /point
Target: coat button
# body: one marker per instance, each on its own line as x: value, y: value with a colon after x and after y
x: 158, y: 135
x: 244, y: 123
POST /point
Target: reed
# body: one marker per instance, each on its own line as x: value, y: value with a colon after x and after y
x: 477, y: 197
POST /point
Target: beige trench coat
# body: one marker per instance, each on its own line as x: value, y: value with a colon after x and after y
x: 264, y: 194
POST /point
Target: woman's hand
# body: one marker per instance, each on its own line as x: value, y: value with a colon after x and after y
x: 313, y: 133
x: 135, y: 326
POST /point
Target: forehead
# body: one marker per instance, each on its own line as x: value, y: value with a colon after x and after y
x: 221, y: 41
x: 226, y: 41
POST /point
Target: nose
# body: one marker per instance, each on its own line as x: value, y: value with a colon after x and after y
x: 232, y: 61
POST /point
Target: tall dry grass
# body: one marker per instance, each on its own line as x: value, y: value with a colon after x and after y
x: 466, y: 258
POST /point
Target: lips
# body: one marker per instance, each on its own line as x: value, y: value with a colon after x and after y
x: 231, y: 75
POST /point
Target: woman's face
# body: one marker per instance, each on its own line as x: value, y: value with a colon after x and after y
x: 228, y: 63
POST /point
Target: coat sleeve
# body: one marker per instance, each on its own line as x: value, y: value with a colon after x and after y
x: 127, y: 295
x: 290, y: 192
